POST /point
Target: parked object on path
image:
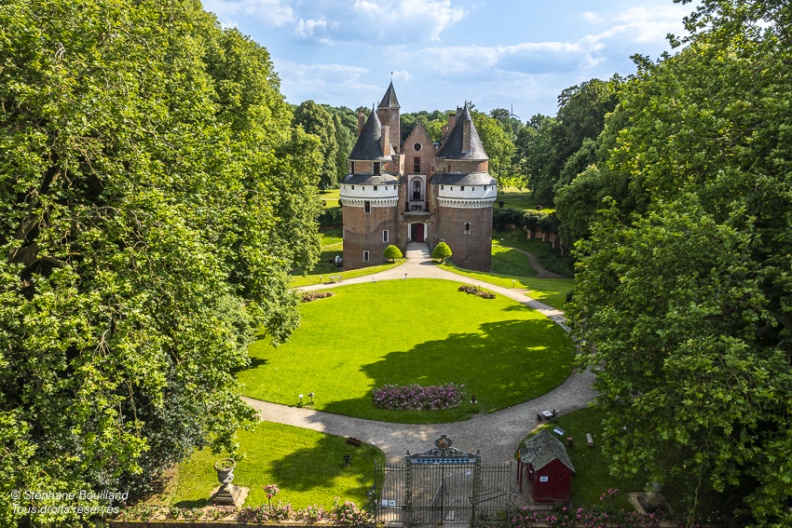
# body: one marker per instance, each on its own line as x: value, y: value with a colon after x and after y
x: 589, y: 440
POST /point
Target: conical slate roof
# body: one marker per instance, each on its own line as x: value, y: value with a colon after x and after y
x: 453, y: 146
x: 390, y: 101
x: 368, y: 145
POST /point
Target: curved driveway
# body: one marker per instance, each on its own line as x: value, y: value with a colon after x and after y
x: 496, y: 434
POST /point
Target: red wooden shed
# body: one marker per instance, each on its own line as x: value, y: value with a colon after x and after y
x: 545, y: 463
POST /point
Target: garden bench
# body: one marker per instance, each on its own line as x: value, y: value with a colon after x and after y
x: 589, y: 440
x: 336, y: 278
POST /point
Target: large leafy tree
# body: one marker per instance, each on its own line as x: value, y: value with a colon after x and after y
x: 152, y: 198
x: 684, y: 293
x: 498, y: 144
x: 318, y: 121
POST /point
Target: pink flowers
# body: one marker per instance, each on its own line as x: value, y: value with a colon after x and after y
x: 475, y: 290
x: 313, y: 295
x: 271, y: 490
x: 418, y: 397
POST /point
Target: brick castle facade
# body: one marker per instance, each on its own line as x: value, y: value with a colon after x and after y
x: 417, y: 191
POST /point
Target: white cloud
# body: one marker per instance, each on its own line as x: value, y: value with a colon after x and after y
x: 401, y: 75
x: 306, y: 28
x: 273, y: 13
x: 338, y: 84
x: 592, y: 17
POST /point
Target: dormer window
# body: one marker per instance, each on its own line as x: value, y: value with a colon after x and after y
x: 377, y: 167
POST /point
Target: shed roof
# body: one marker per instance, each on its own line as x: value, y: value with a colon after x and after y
x: 543, y: 448
x: 453, y: 146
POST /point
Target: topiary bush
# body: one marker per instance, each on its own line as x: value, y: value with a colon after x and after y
x: 392, y: 252
x: 441, y: 251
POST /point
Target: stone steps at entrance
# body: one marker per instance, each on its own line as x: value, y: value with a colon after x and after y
x: 418, y: 250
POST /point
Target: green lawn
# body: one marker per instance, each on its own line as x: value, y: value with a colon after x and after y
x: 332, y: 244
x: 411, y: 331
x: 307, y: 466
x: 509, y: 261
x: 330, y: 198
x: 518, y: 199
x: 551, y: 292
x: 592, y: 477
x: 548, y: 257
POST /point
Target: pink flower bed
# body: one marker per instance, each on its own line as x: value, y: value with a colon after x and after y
x: 418, y: 397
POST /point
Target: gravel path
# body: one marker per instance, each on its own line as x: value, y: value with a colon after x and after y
x: 541, y: 273
x: 496, y: 434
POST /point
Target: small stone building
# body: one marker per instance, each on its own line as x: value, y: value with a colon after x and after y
x: 544, y: 462
x: 417, y: 191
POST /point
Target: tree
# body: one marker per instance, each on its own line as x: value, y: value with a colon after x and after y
x: 684, y: 290
x: 317, y: 121
x: 441, y: 251
x: 532, y: 155
x: 497, y: 143
x: 153, y: 197
x: 392, y: 252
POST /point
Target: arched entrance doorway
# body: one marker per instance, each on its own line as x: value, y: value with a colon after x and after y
x: 417, y: 232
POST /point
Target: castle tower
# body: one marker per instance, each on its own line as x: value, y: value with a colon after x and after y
x: 388, y: 113
x: 417, y: 192
x: 369, y: 196
x: 465, y: 193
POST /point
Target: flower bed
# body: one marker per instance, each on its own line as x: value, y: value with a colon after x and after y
x: 585, y: 518
x: 342, y: 513
x: 475, y: 290
x: 313, y: 295
x: 418, y: 397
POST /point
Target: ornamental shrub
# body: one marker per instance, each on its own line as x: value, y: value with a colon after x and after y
x: 441, y: 251
x: 402, y: 397
x: 503, y: 217
x: 392, y: 252
x: 475, y: 290
x: 313, y: 295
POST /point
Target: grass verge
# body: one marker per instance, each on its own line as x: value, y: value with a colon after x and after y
x: 548, y: 257
x: 551, y: 292
x: 307, y: 466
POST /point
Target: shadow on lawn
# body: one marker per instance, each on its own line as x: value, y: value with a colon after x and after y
x: 320, y: 465
x: 505, y: 363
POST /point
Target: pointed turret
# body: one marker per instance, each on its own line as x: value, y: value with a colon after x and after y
x: 390, y: 100
x: 368, y: 145
x: 463, y: 142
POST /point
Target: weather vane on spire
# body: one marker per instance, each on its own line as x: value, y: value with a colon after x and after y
x: 391, y: 76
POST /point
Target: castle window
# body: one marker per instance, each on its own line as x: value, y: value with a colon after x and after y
x: 366, y: 207
x: 353, y: 187
x: 467, y: 228
x: 417, y: 147
x: 384, y: 235
x: 375, y: 187
x: 451, y: 188
x: 376, y: 167
x: 365, y: 256
x: 462, y: 188
x: 416, y: 164
x: 352, y: 167
x: 442, y: 187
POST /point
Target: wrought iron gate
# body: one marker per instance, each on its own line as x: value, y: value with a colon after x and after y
x: 432, y: 489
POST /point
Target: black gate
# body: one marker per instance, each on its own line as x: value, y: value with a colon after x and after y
x: 443, y: 487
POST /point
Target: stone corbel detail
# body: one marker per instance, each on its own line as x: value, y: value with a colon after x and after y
x: 374, y: 202
x: 461, y: 203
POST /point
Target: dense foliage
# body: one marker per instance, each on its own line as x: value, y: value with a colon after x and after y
x: 153, y: 196
x: 441, y: 251
x: 684, y: 285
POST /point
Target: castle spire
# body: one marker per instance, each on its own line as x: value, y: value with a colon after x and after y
x: 390, y: 100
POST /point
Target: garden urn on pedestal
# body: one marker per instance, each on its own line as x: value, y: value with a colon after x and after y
x: 227, y: 494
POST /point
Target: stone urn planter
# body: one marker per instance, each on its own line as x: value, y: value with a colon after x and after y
x: 227, y: 494
x: 225, y: 470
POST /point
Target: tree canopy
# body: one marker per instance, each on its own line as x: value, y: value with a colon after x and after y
x: 684, y: 285
x: 153, y: 196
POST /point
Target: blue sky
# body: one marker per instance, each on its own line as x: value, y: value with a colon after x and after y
x: 495, y: 53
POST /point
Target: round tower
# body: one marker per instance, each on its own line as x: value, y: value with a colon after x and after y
x: 465, y: 193
x: 369, y: 196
